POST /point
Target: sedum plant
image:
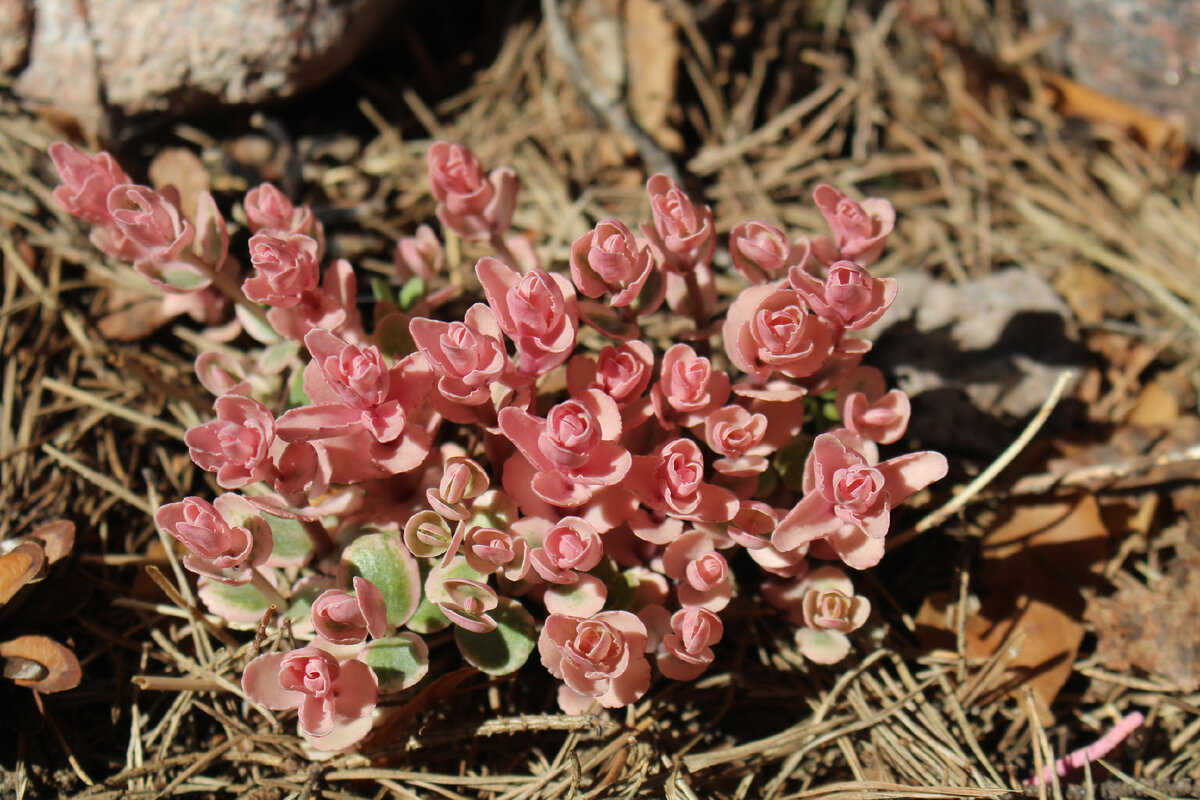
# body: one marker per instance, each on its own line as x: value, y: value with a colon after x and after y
x: 531, y: 468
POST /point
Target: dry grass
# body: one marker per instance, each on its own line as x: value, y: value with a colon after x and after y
x: 769, y: 102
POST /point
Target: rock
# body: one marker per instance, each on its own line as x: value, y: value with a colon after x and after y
x: 90, y: 58
x: 977, y: 356
x: 1143, y: 52
x: 16, y: 25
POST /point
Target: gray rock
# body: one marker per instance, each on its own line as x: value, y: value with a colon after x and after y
x: 1144, y: 52
x: 981, y: 353
x: 88, y: 58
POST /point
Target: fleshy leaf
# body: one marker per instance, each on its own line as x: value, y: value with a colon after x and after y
x: 293, y: 547
x: 428, y: 618
x: 583, y: 598
x: 381, y: 290
x: 275, y: 359
x: 242, y: 606
x: 399, y: 661
x: 383, y: 559
x: 505, y: 649
x: 411, y: 292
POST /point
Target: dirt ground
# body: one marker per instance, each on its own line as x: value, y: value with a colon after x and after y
x: 1051, y: 307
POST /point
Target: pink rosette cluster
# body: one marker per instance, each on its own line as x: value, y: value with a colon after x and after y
x: 237, y: 444
x: 330, y: 307
x: 568, y: 548
x: 760, y: 251
x: 268, y: 209
x: 148, y: 229
x: 860, y: 232
x: 769, y: 329
x: 469, y: 360
x: 685, y: 653
x: 538, y: 311
x: 573, y: 452
x: 829, y: 609
x: 599, y: 659
x: 286, y: 268
x: 226, y: 539
x: 86, y: 182
x: 670, y: 482
x: 682, y: 231
x: 622, y: 372
x: 848, y: 498
x: 737, y: 435
x: 701, y: 573
x: 463, y: 479
x: 368, y: 416
x: 490, y: 550
x: 420, y: 256
x: 868, y: 409
x: 850, y: 299
x: 689, y: 390
x: 473, y: 204
x: 609, y: 259
x: 335, y: 700
x: 344, y: 618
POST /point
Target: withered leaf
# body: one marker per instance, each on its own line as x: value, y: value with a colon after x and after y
x: 1153, y: 630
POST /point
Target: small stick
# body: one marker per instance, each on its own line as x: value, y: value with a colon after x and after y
x: 995, y: 468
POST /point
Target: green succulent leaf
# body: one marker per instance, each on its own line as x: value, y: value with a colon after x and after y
x: 383, y: 559
x: 505, y: 649
x: 399, y: 661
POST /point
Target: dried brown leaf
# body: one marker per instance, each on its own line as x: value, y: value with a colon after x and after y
x: 18, y: 567
x: 60, y: 669
x: 1153, y: 630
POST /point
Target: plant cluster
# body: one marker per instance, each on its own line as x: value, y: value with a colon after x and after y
x: 566, y: 466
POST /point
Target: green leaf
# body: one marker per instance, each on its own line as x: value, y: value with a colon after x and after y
x: 383, y: 559
x: 399, y: 661
x: 505, y: 649
x: 292, y: 545
x: 789, y: 461
x: 412, y: 291
x: 296, y: 395
x: 381, y: 290
x: 242, y: 606
x: 275, y: 358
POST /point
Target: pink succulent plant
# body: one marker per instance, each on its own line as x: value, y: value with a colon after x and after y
x: 868, y: 409
x: 737, y: 435
x: 237, y: 444
x: 608, y: 258
x: 538, y: 311
x: 473, y: 204
x: 671, y: 482
x: 86, y: 182
x: 830, y: 610
x: 769, y: 329
x: 569, y: 547
x: 760, y: 251
x: 335, y: 700
x: 860, y: 231
x: 225, y: 539
x: 345, y: 618
x: 286, y: 268
x: 268, y: 209
x: 848, y: 497
x: 489, y: 550
x: 420, y: 256
x: 468, y: 357
x: 686, y: 651
x: 689, y: 389
x: 849, y: 299
x: 599, y: 659
x: 573, y: 451
x: 682, y: 231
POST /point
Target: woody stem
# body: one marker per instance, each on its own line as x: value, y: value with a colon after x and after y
x: 502, y: 250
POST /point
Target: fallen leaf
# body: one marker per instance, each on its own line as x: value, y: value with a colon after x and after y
x: 57, y: 538
x: 1155, y: 406
x: 1092, y: 294
x: 41, y: 664
x: 131, y: 316
x: 18, y: 567
x: 1033, y: 565
x: 1153, y: 630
